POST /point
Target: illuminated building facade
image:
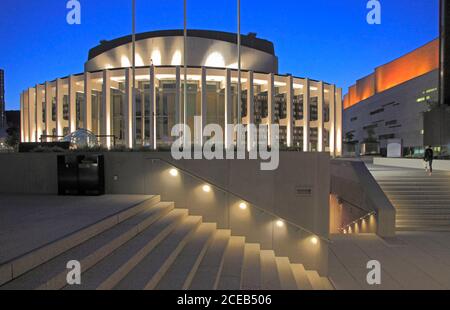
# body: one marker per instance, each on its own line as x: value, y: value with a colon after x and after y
x: 100, y: 99
x: 389, y: 103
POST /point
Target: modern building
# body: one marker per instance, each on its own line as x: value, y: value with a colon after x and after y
x: 389, y: 103
x: 2, y: 100
x: 309, y: 112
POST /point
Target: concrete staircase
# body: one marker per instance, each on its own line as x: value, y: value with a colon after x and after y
x: 422, y: 201
x: 155, y: 246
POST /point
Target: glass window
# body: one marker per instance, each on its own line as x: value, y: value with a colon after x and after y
x: 165, y: 112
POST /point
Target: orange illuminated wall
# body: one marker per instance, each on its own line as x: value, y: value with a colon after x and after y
x: 346, y: 102
x: 365, y: 87
x: 420, y: 61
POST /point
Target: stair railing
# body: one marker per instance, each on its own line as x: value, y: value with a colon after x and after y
x: 349, y: 225
x: 226, y: 191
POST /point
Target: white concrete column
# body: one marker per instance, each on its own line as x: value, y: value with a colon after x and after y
x: 133, y: 117
x: 290, y: 110
x: 339, y: 122
x: 59, y: 107
x: 178, y: 101
x: 320, y: 106
x: 26, y: 117
x: 228, y: 106
x: 126, y: 109
x: 87, y: 102
x: 143, y: 99
x: 22, y: 115
x: 270, y: 105
x: 72, y: 104
x: 203, y: 103
x: 48, y: 110
x: 306, y: 105
x: 32, y: 114
x: 250, y: 111
x: 152, y: 109
x: 39, y: 112
x: 105, y: 128
x: 332, y: 133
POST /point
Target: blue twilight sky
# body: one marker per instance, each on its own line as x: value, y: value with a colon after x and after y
x: 328, y: 40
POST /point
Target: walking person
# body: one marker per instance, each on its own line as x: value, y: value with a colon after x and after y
x: 428, y: 158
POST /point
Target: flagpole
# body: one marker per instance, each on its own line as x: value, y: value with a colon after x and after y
x: 185, y: 68
x: 238, y: 110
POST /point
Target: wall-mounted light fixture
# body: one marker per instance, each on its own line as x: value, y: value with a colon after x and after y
x: 243, y: 206
x: 206, y: 188
x: 173, y: 172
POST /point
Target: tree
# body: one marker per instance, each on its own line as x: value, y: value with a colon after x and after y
x: 13, y: 138
x: 371, y: 138
x: 349, y: 136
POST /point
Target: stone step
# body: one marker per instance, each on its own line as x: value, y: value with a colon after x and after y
x: 436, y: 197
x: 111, y: 270
x: 417, y: 186
x: 421, y: 221
x: 421, y: 205
x: 152, y: 267
x: 231, y: 275
x: 251, y: 274
x: 421, y: 217
x: 326, y: 284
x: 269, y: 272
x: 207, y: 275
x: 413, y: 182
x: 300, y: 277
x: 417, y: 192
x: 52, y: 274
x: 285, y: 274
x: 20, y: 265
x: 423, y: 228
x: 315, y: 280
x: 180, y: 274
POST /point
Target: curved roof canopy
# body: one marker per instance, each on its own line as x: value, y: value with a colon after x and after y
x: 249, y: 40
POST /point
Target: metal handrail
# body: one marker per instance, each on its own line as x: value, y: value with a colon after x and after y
x: 370, y: 212
x: 240, y: 197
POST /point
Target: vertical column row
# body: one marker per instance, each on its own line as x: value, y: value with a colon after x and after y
x: 32, y: 119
